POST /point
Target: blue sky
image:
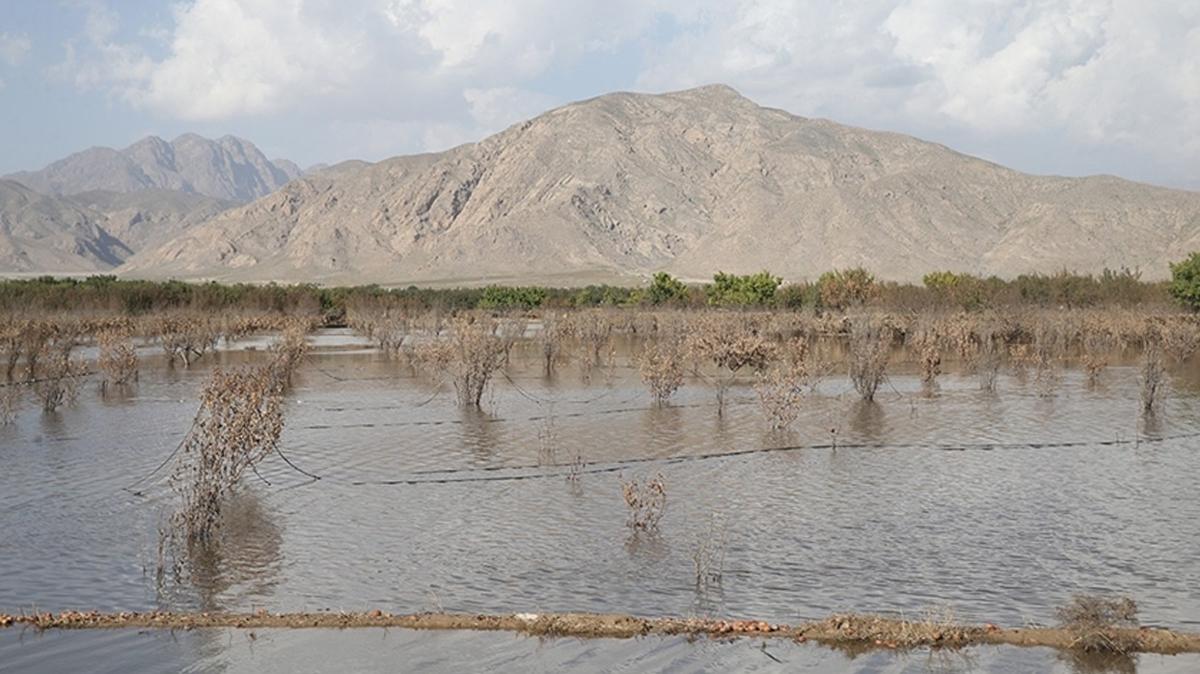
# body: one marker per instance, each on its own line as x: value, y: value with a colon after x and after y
x: 1047, y: 86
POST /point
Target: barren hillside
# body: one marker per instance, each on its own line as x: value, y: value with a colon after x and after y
x: 689, y: 182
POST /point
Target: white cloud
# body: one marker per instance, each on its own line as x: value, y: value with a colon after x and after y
x: 14, y: 48
x: 1100, y: 72
x: 1097, y: 73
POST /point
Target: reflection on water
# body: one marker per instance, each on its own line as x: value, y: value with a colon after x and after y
x: 422, y: 505
x: 238, y: 568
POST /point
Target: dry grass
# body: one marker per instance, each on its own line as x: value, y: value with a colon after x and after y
x: 1101, y: 624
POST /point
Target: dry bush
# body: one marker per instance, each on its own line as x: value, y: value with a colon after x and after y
x: 380, y: 322
x: 1179, y: 340
x: 185, y: 338
x: 10, y: 347
x: 647, y: 502
x: 593, y: 329
x: 550, y: 343
x: 547, y: 442
x: 238, y: 424
x: 575, y: 470
x: 730, y: 344
x: 57, y: 379
x: 40, y: 339
x: 662, y: 366
x: 471, y: 354
x: 1101, y: 624
x: 781, y: 389
x: 10, y: 402
x: 870, y: 343
x: 925, y: 340
x: 288, y: 351
x: 986, y: 363
x: 1096, y: 346
x: 1153, y: 375
x: 1048, y: 347
x: 118, y: 358
x: 938, y: 628
x: 708, y: 557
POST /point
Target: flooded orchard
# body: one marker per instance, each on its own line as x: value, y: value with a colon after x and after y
x: 999, y: 501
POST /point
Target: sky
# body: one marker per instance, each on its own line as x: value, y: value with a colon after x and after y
x: 1071, y: 87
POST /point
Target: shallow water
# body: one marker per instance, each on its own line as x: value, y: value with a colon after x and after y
x: 1000, y: 506
x: 377, y: 650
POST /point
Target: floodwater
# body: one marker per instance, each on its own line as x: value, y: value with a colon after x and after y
x: 999, y: 506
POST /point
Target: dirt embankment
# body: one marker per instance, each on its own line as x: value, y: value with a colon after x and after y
x: 838, y: 631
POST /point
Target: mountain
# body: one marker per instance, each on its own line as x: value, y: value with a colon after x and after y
x: 148, y: 217
x: 228, y: 168
x: 690, y: 182
x: 44, y: 234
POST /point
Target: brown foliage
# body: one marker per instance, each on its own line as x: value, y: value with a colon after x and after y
x: 647, y: 502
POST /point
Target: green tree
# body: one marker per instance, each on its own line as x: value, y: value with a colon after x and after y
x: 507, y: 297
x: 665, y: 289
x: 1185, y: 281
x: 734, y: 290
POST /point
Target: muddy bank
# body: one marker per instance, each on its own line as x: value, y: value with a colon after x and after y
x: 858, y: 631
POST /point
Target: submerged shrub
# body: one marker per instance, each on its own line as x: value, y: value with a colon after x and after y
x: 647, y: 502
x: 550, y: 342
x: 708, y: 557
x: 661, y: 366
x: 118, y: 358
x: 186, y: 338
x: 726, y: 343
x: 57, y: 379
x: 10, y: 402
x: 781, y: 388
x: 869, y: 353
x: 1152, y: 376
x: 471, y: 355
x: 238, y: 424
x: 287, y: 352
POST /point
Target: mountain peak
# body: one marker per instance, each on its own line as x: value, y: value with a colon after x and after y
x: 228, y: 168
x: 689, y: 182
x: 714, y: 91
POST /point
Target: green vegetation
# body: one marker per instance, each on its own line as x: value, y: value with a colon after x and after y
x: 505, y: 297
x: 1185, y: 281
x: 741, y: 291
x: 834, y: 291
x: 665, y: 289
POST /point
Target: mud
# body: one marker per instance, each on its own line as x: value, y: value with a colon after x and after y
x: 861, y: 632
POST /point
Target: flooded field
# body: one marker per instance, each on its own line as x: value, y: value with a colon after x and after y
x: 998, y: 505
